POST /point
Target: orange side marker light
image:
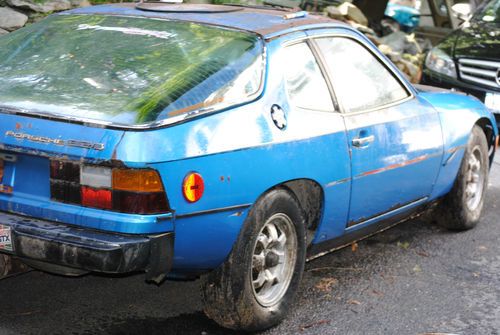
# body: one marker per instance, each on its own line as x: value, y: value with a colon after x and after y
x: 193, y: 187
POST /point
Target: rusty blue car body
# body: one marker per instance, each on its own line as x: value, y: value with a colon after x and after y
x: 350, y: 187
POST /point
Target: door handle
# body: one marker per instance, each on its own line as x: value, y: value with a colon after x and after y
x: 362, y: 141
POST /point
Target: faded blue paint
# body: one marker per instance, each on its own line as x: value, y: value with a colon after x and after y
x: 241, y: 154
x: 242, y: 20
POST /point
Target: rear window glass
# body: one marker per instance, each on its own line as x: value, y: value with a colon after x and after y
x: 127, y: 70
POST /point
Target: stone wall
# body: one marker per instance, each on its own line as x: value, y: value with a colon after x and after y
x: 14, y: 14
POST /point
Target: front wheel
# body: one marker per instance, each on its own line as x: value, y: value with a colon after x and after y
x: 461, y: 208
x: 254, y: 288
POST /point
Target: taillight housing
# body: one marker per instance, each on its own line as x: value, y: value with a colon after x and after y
x: 135, y: 191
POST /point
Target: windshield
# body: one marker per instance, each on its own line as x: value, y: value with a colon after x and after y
x: 489, y: 13
x: 126, y: 70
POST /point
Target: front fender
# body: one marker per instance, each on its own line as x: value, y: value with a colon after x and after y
x: 458, y: 113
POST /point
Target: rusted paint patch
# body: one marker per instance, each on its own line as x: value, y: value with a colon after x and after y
x: 337, y: 182
x: 398, y: 165
x: 394, y: 166
x: 455, y: 149
x: 6, y: 189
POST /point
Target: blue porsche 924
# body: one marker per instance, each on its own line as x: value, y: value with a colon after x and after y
x: 237, y: 142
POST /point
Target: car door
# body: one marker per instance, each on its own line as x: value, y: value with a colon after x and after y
x: 394, y: 137
x: 314, y: 117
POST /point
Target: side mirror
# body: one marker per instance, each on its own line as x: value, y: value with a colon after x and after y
x: 462, y: 11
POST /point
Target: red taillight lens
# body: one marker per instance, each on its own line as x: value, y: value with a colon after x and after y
x: 65, y: 182
x: 65, y: 192
x: 139, y: 203
x: 66, y: 171
x: 135, y: 191
x: 193, y: 187
x: 97, y: 198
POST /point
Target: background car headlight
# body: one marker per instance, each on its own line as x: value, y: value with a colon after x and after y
x: 439, y: 61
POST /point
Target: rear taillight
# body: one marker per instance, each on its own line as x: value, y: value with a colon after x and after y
x: 138, y: 191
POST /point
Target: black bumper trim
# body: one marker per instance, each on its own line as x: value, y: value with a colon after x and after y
x: 88, y: 249
x: 433, y: 79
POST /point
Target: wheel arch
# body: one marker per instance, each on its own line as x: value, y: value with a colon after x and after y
x: 310, y: 196
x: 486, y: 125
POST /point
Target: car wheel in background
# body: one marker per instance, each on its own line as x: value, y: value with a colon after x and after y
x: 256, y: 285
x: 461, y: 208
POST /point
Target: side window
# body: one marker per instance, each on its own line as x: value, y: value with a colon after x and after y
x: 305, y: 83
x: 360, y: 81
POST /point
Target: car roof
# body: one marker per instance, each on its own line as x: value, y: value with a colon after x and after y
x: 267, y: 22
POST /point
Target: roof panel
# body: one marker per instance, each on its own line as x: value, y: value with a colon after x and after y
x: 261, y: 21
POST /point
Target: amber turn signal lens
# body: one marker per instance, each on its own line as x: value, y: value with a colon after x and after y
x: 193, y: 187
x: 136, y: 180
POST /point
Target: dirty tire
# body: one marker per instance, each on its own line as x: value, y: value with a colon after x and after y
x: 233, y: 294
x: 461, y: 208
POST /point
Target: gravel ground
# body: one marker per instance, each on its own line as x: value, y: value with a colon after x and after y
x: 412, y: 279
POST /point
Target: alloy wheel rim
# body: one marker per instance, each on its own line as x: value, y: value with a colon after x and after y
x: 273, y: 260
x: 474, y: 183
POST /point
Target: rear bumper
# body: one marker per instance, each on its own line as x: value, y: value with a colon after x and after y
x: 89, y: 250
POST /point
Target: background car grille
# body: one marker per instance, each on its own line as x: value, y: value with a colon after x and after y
x: 480, y: 71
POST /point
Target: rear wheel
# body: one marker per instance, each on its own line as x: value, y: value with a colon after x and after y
x: 461, y: 208
x: 254, y: 288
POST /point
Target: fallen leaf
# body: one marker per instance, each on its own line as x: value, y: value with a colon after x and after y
x: 24, y: 313
x: 325, y: 284
x: 417, y: 268
x: 482, y: 248
x: 388, y: 278
x: 404, y: 245
x: 422, y: 253
x: 354, y: 247
x: 317, y: 323
x: 325, y: 268
x: 380, y: 294
x: 353, y: 302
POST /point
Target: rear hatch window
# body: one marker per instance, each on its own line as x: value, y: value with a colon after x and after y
x: 127, y: 70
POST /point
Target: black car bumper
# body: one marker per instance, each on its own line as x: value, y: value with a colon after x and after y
x: 86, y: 249
x: 434, y: 79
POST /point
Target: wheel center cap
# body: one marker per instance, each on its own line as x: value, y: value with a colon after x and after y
x: 272, y: 260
